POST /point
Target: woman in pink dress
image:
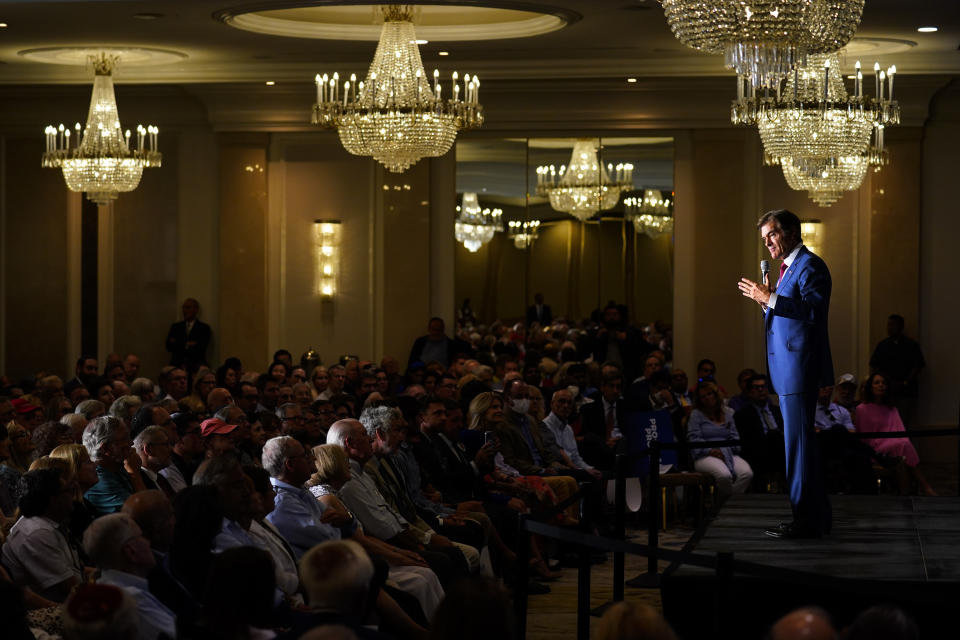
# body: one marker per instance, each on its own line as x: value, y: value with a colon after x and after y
x: 877, y: 413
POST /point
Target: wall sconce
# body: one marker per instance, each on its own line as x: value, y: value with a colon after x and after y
x: 811, y: 231
x: 326, y: 236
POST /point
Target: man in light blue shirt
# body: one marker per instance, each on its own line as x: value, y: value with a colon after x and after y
x: 298, y: 516
x: 115, y: 543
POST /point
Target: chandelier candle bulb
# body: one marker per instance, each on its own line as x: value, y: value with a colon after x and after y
x: 858, y: 77
x: 890, y: 72
x: 883, y: 78
x: 876, y: 77
x: 826, y: 79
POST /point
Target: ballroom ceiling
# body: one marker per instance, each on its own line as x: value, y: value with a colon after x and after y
x: 596, y: 39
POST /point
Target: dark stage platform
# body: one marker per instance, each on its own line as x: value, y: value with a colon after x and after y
x: 883, y: 549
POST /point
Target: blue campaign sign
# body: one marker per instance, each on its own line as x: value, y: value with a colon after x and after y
x: 644, y: 427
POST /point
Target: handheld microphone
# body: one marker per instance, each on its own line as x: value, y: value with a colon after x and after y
x: 764, y: 269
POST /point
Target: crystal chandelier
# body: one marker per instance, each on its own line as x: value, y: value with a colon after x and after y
x: 815, y: 132
x: 584, y: 187
x: 651, y: 214
x: 474, y: 226
x: 523, y: 233
x: 396, y: 115
x: 98, y: 161
x: 763, y: 39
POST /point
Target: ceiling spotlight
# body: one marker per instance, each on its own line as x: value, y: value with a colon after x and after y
x: 270, y: 83
x: 443, y: 53
x: 928, y: 29
x: 631, y: 80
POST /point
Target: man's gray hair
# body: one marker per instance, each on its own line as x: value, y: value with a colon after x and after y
x: 275, y: 454
x: 124, y: 406
x: 104, y: 538
x: 216, y: 471
x: 379, y: 419
x: 98, y: 433
x: 281, y: 411
x: 338, y: 433
x: 141, y: 385
x: 336, y: 575
x: 169, y: 404
x: 90, y: 407
x: 72, y: 419
x: 149, y: 436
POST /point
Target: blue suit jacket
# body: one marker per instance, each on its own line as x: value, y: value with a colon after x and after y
x: 798, y: 349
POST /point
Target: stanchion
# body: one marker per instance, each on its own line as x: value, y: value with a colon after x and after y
x: 583, y: 593
x: 651, y: 579
x: 724, y: 580
x: 619, y: 531
x: 522, y: 576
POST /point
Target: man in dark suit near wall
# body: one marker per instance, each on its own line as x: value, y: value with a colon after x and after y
x: 798, y: 357
x: 539, y: 312
x: 187, y: 341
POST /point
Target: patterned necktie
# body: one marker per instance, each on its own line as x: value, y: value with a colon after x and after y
x: 783, y: 269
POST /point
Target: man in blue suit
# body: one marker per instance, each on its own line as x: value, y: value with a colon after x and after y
x: 798, y: 358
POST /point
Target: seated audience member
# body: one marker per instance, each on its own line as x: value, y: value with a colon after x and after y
x: 267, y: 537
x: 48, y: 436
x: 710, y: 420
x: 247, y: 398
x: 878, y: 414
x: 219, y: 438
x: 118, y: 466
x: 633, y: 621
x: 37, y: 552
x: 203, y: 383
x: 296, y: 515
x: 883, y: 622
x: 117, y: 546
x: 840, y: 450
x: 198, y: 522
x: 319, y: 379
x: 100, y: 612
x: 125, y: 407
x: 235, y: 491
x: 77, y: 424
x: 188, y: 451
x: 640, y: 387
x: 808, y: 623
x: 154, y: 514
x: 475, y: 609
x: 847, y: 394
x: 217, y: 399
x: 154, y: 448
x: 407, y: 569
x: 90, y: 409
x: 337, y: 577
x: 558, y: 425
x: 742, y: 399
x: 84, y: 472
x: 238, y: 601
x: 378, y: 518
x: 21, y: 448
x: 144, y: 389
x: 760, y: 425
x: 397, y: 483
x: 600, y: 424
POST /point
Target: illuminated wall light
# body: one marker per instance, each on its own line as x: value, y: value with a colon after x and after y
x: 270, y: 83
x: 443, y: 53
x: 326, y: 236
x: 812, y: 233
x: 928, y: 29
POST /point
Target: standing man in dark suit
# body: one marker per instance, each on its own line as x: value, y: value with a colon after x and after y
x: 798, y: 357
x: 602, y: 422
x: 539, y: 312
x: 187, y: 341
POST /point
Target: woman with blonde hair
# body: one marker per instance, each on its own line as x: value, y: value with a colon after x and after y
x: 408, y: 571
x: 84, y: 471
x: 203, y: 383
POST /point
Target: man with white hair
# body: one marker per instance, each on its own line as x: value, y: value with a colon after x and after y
x: 108, y: 444
x: 154, y: 448
x: 379, y: 519
x: 297, y: 515
x: 115, y: 543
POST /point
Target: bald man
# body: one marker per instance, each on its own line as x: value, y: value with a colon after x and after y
x: 809, y: 623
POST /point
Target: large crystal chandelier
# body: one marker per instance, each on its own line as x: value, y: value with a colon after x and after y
x: 474, y: 226
x: 524, y: 233
x: 584, y: 187
x: 98, y: 160
x: 818, y: 134
x: 763, y: 39
x: 396, y: 115
x: 651, y: 214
